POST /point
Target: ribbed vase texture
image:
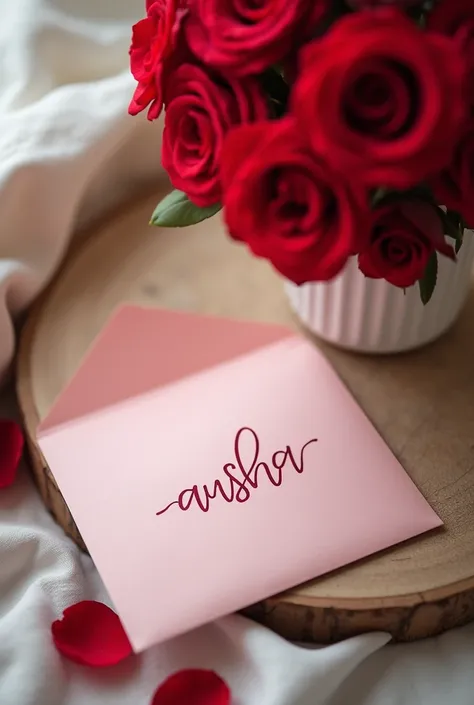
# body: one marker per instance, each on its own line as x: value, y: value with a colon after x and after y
x: 370, y: 315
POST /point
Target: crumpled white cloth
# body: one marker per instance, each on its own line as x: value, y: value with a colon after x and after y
x: 42, y: 572
x: 68, y: 149
x: 67, y: 152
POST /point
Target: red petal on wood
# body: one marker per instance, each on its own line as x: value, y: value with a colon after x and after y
x: 11, y: 449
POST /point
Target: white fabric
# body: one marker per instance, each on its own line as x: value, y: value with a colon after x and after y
x: 68, y: 150
x: 41, y: 573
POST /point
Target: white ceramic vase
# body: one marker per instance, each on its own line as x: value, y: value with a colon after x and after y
x: 371, y: 316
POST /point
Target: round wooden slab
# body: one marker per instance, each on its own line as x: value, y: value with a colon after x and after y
x: 422, y: 403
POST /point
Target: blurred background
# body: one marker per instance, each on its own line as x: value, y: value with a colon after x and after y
x: 69, y: 152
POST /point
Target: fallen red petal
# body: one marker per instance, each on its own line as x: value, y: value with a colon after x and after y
x: 11, y: 449
x: 192, y: 687
x: 90, y: 633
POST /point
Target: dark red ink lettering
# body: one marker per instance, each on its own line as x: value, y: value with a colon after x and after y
x: 243, y: 477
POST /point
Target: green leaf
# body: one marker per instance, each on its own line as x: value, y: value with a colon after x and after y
x: 384, y: 196
x: 277, y: 109
x: 428, y: 282
x: 454, y: 227
x: 277, y: 90
x: 422, y: 21
x: 177, y: 211
x: 378, y: 196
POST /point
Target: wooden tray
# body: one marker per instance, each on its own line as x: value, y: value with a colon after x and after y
x: 422, y: 403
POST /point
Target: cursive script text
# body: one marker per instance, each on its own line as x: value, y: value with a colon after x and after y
x: 241, y: 477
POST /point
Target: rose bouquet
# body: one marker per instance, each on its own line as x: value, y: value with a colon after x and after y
x: 324, y: 129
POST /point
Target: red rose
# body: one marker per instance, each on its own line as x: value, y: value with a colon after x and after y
x: 200, y: 110
x: 152, y: 43
x: 242, y: 37
x: 455, y: 18
x: 381, y: 99
x: 364, y: 4
x: 404, y: 236
x: 287, y: 204
x: 454, y: 186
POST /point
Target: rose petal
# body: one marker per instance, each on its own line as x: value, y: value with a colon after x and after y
x: 285, y: 203
x: 193, y: 686
x: 240, y: 140
x: 11, y: 449
x: 425, y: 218
x: 431, y: 83
x: 245, y: 38
x: 200, y: 111
x: 90, y: 633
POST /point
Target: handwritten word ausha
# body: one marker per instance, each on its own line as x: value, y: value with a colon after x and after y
x: 241, y: 477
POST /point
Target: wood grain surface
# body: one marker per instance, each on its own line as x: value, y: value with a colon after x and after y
x: 422, y: 403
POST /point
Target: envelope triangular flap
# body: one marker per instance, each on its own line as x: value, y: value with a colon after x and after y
x: 142, y: 349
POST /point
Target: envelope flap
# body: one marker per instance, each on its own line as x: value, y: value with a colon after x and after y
x: 142, y: 349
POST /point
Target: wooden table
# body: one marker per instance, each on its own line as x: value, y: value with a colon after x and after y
x: 422, y: 403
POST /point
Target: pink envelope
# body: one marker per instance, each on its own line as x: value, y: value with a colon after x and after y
x: 212, y: 463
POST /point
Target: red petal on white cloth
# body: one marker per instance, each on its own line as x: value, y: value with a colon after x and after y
x: 193, y: 686
x: 90, y: 633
